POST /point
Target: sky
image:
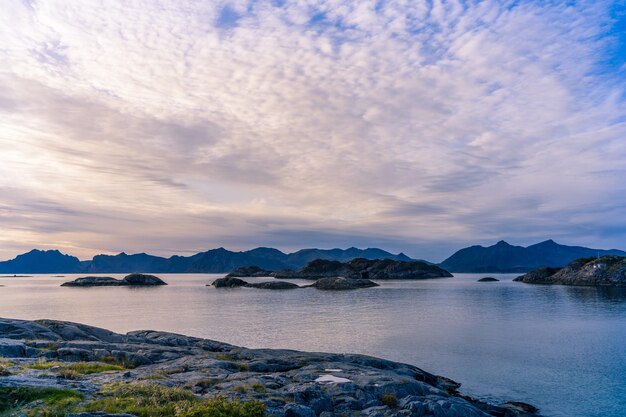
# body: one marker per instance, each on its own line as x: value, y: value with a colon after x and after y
x: 172, y: 127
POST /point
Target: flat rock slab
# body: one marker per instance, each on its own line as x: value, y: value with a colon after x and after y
x: 289, y: 382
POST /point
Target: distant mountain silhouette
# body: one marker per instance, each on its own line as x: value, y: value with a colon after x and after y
x: 212, y: 261
x: 41, y: 262
x: 503, y: 257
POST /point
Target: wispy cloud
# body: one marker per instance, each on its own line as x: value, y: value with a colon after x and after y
x: 148, y: 125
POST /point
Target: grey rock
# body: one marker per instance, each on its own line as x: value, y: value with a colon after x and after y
x: 297, y: 410
x: 287, y: 381
x: 603, y: 271
x: 360, y: 268
x: 274, y: 285
x: 129, y: 280
x: 342, y: 283
x: 92, y: 282
x: 232, y: 282
x: 142, y: 279
x: 229, y: 282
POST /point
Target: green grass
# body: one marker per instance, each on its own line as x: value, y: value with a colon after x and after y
x: 42, y: 364
x: 5, y: 367
x: 227, y: 356
x: 140, y: 399
x: 389, y: 400
x: 73, y: 370
x: 258, y: 388
x: 86, y: 368
x: 14, y: 398
x: 154, y: 400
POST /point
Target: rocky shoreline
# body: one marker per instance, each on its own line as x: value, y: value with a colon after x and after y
x: 95, y: 368
x: 599, y: 271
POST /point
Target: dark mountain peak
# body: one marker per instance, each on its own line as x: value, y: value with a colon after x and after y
x: 545, y: 243
x: 41, y: 261
x: 503, y: 257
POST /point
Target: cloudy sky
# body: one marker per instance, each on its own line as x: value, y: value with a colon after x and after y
x: 171, y: 126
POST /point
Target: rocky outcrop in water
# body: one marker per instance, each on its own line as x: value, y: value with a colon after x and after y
x: 289, y: 383
x: 129, y: 280
x: 232, y: 282
x: 488, y: 279
x: 341, y: 283
x: 360, y: 268
x: 603, y: 271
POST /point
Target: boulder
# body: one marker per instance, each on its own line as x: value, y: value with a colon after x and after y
x: 92, y: 282
x: 342, y: 283
x: 229, y: 282
x: 142, y: 279
x: 274, y: 285
x: 129, y: 280
x: 488, y: 279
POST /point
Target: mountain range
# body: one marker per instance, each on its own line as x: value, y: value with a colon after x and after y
x: 503, y: 257
x: 212, y: 261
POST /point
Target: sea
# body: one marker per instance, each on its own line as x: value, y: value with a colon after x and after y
x: 562, y: 349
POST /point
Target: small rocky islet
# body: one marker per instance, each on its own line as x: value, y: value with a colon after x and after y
x: 600, y: 271
x: 361, y: 268
x: 329, y: 283
x: 135, y: 280
x: 57, y: 368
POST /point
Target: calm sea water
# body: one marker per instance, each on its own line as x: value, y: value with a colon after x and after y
x: 562, y: 349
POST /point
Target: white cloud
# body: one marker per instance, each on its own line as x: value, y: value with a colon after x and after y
x: 150, y: 126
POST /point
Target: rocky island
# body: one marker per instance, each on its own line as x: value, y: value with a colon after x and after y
x: 602, y: 271
x: 329, y: 283
x: 55, y: 368
x: 128, y: 280
x: 376, y: 269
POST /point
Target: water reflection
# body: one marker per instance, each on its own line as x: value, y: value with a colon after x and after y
x: 561, y: 348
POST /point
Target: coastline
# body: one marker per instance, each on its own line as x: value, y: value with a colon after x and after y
x: 287, y: 382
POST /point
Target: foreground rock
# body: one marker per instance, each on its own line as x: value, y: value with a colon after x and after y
x: 129, y: 280
x: 604, y: 271
x: 488, y: 279
x: 341, y: 283
x: 289, y: 383
x: 232, y: 282
x: 250, y: 271
x: 379, y: 269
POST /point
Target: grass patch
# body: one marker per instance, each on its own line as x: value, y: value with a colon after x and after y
x: 43, y: 364
x: 258, y: 388
x: 227, y: 356
x: 142, y: 400
x: 5, y: 367
x: 154, y: 400
x: 74, y: 370
x: 86, y: 368
x: 389, y: 400
x: 15, y: 398
x: 123, y: 362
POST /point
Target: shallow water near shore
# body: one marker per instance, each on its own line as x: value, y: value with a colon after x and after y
x: 562, y: 349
